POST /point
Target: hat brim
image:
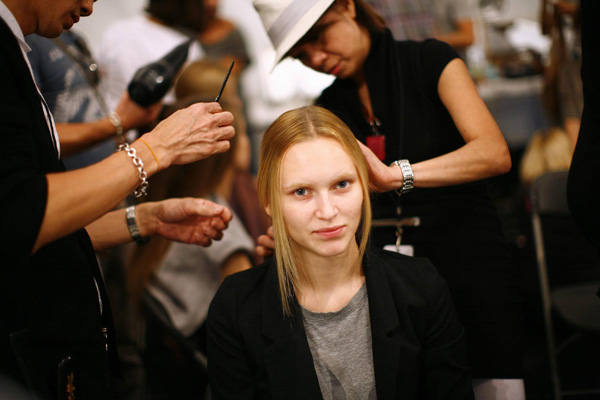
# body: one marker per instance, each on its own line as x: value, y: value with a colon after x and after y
x: 304, y: 24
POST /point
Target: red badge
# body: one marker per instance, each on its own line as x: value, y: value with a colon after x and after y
x: 377, y: 145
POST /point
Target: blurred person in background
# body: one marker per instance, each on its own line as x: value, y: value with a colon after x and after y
x: 68, y: 78
x: 450, y: 21
x: 563, y: 90
x: 203, y: 79
x: 583, y: 189
x: 131, y: 43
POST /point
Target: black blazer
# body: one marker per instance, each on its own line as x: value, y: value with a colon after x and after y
x: 418, y: 343
x: 49, y: 307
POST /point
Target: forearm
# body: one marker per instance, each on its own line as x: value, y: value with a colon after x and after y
x: 75, y: 137
x: 461, y: 38
x: 108, y: 231
x: 77, y: 198
x: 111, y: 229
x: 479, y: 159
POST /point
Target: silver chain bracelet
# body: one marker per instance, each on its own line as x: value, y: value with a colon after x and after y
x: 141, y: 189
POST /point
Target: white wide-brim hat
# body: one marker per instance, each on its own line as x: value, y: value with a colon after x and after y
x: 287, y: 21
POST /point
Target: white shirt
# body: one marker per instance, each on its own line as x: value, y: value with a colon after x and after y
x: 131, y: 43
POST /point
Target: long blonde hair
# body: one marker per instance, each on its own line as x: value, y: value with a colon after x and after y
x: 292, y: 127
x: 198, y: 179
x: 548, y: 150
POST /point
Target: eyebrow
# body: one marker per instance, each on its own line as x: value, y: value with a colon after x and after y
x: 342, y: 177
x: 308, y: 37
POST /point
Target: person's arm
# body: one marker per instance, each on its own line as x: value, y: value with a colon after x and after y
x: 460, y: 38
x: 484, y: 155
x: 77, y: 198
x: 446, y: 374
x: 229, y: 371
x: 238, y: 261
x: 189, y: 220
x: 77, y: 136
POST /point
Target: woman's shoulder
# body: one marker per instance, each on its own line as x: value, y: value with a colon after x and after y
x: 402, y: 266
x: 245, y: 283
x: 427, y: 45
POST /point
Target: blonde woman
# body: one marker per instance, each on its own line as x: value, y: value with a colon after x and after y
x: 325, y: 318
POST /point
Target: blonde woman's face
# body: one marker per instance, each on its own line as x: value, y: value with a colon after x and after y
x: 321, y: 198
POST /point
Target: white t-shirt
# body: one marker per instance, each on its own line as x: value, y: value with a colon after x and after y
x: 190, y: 275
x: 130, y: 44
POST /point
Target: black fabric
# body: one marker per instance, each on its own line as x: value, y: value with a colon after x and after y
x: 583, y: 190
x: 48, y: 301
x: 254, y: 352
x: 460, y: 231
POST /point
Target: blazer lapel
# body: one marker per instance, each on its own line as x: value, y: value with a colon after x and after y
x: 288, y: 359
x: 387, y: 351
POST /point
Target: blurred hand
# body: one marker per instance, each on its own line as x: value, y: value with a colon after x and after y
x: 381, y: 176
x: 266, y: 244
x: 188, y: 220
x: 133, y: 116
x: 191, y: 134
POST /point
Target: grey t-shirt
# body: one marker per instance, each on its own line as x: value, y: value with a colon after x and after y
x: 341, y: 347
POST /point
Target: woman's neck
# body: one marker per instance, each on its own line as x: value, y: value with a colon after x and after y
x: 328, y: 283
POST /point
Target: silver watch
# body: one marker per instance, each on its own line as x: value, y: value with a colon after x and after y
x: 133, y: 228
x: 408, y: 176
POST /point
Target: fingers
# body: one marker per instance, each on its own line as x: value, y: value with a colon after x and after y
x: 262, y: 251
x: 212, y: 108
x: 266, y: 241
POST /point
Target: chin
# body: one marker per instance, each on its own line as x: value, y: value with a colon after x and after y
x: 332, y: 249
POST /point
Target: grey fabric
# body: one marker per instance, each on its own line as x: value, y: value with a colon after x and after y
x: 340, y: 343
x: 190, y: 275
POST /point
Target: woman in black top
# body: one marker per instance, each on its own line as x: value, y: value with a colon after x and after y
x: 415, y: 102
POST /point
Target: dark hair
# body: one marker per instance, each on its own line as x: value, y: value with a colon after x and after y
x: 366, y: 17
x: 369, y: 18
x: 180, y: 14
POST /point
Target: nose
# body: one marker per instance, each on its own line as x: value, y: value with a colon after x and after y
x: 326, y: 209
x: 315, y: 57
x: 87, y: 7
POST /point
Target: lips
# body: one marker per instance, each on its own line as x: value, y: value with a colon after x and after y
x: 335, y: 70
x: 330, y: 232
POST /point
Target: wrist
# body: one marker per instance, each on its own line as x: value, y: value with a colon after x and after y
x: 138, y: 234
x: 407, y: 176
x: 151, y: 165
x: 117, y: 124
x: 145, y: 219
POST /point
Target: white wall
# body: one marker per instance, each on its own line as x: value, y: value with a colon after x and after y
x: 106, y: 12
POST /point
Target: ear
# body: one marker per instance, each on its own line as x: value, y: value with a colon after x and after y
x: 347, y: 7
x: 268, y: 210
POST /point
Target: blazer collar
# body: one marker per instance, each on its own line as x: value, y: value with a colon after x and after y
x: 387, y: 351
x: 288, y: 359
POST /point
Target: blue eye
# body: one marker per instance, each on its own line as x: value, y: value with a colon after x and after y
x: 343, y: 184
x: 300, y: 192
